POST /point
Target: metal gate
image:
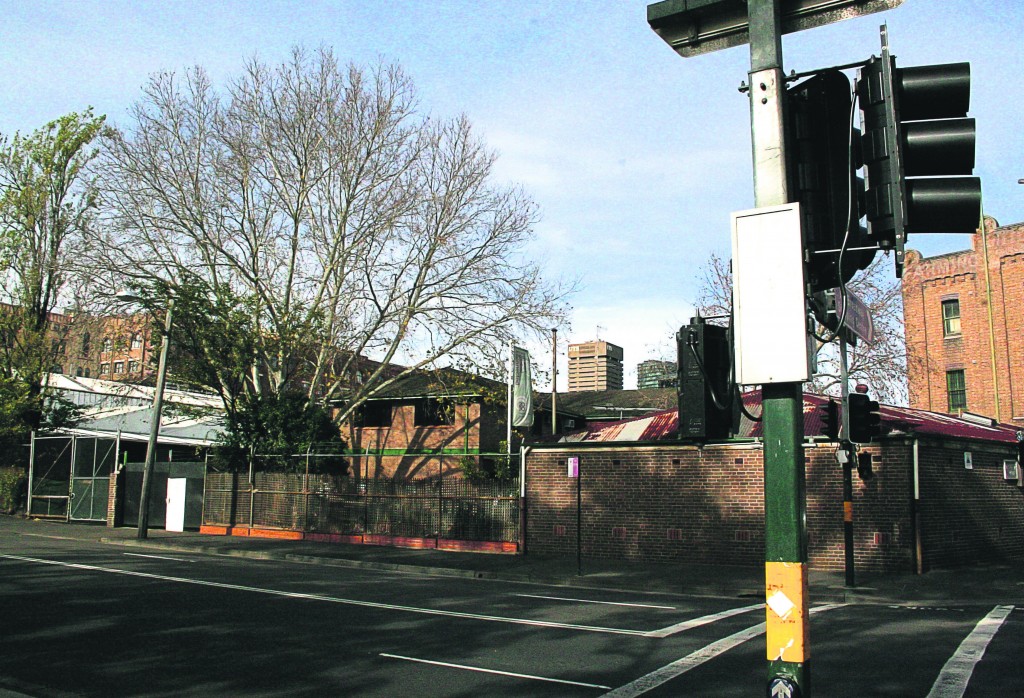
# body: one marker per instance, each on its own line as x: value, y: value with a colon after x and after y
x: 49, y: 476
x: 93, y: 459
x: 69, y: 477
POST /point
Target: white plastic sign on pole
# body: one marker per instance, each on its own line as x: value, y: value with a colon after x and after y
x: 770, y: 309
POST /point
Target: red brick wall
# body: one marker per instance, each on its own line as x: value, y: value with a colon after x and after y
x: 968, y: 515
x: 675, y: 503
x: 927, y: 282
x: 403, y: 435
x: 678, y: 503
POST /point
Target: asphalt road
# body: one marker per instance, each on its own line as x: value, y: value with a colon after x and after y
x: 82, y: 618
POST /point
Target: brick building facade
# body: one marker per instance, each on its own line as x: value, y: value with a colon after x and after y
x: 672, y: 502
x: 109, y: 347
x: 964, y: 320
x: 681, y: 503
x: 427, y: 425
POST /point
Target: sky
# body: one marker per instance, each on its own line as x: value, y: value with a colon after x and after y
x: 634, y: 155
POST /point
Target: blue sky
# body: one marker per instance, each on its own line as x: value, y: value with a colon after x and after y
x: 635, y: 156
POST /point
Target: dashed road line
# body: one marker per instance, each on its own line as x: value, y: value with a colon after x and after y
x: 159, y: 557
x: 605, y: 603
x: 467, y: 667
x: 334, y: 599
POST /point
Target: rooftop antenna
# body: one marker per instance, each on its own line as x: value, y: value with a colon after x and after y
x: 599, y: 329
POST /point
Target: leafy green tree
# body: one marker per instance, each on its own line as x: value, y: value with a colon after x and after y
x: 48, y: 199
x: 279, y: 426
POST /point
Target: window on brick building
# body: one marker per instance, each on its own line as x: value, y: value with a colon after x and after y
x: 136, y: 342
x: 85, y: 344
x: 374, y: 414
x: 956, y: 390
x: 119, y: 367
x: 108, y: 344
x: 104, y: 369
x: 950, y: 317
x: 133, y: 367
x: 431, y: 412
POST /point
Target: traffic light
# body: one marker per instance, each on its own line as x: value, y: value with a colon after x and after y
x: 865, y: 420
x: 822, y: 165
x: 916, y: 145
x: 704, y: 389
x: 864, y: 470
x: 830, y: 420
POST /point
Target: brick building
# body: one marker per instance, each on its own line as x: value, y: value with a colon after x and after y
x: 943, y: 491
x: 965, y: 326
x: 426, y: 424
x: 109, y: 347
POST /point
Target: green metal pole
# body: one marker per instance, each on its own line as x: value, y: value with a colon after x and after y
x: 785, y: 538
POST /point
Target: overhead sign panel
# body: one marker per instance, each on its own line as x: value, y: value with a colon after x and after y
x: 693, y: 27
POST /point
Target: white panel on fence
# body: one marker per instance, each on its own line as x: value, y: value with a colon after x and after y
x: 175, y: 504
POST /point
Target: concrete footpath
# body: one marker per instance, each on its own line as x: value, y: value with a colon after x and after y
x: 980, y: 584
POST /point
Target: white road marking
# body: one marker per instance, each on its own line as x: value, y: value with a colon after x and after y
x: 43, y: 535
x: 704, y: 620
x: 332, y: 599
x: 159, y: 557
x: 955, y: 675
x: 695, y: 659
x: 606, y: 603
x: 493, y: 671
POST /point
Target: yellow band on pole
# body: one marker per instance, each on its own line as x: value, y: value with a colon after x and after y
x: 847, y: 511
x: 788, y: 630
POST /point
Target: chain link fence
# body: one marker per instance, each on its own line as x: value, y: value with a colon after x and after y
x: 445, y: 508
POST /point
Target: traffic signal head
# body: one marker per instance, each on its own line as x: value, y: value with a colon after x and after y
x: 822, y: 163
x: 865, y: 420
x: 916, y: 145
x: 830, y: 420
x: 864, y: 469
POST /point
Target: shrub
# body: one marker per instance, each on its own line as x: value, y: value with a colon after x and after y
x: 13, y: 488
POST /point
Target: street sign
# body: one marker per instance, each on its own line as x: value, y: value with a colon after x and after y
x: 693, y: 27
x: 858, y: 316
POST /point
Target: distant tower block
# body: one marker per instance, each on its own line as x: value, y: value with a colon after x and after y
x: 595, y: 365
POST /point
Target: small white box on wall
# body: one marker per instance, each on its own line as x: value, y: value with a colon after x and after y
x: 1010, y: 470
x: 968, y: 463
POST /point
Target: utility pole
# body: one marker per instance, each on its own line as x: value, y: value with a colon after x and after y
x: 554, y: 380
x: 847, y: 446
x: 788, y: 631
x: 692, y: 29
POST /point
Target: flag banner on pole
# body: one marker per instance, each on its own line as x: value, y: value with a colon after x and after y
x: 522, y: 389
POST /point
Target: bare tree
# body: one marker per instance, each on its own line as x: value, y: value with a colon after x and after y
x: 315, y: 201
x: 714, y: 288
x: 882, y: 365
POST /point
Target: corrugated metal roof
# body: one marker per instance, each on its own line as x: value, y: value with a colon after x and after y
x: 664, y: 426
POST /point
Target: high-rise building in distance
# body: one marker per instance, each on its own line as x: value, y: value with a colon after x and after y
x: 595, y: 365
x: 654, y: 373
